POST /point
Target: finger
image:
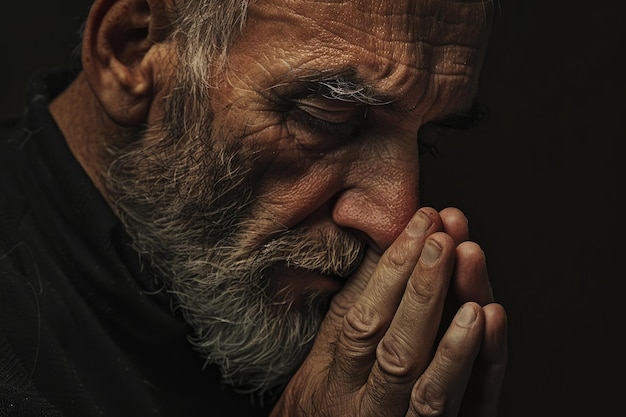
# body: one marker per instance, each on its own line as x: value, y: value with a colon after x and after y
x: 455, y: 224
x: 471, y: 278
x: 353, y: 289
x: 405, y: 350
x: 440, y: 389
x: 481, y: 398
x: 470, y: 282
x: 365, y: 322
x: 360, y: 278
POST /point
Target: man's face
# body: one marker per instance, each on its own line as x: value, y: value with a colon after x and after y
x: 308, y: 155
x: 335, y: 96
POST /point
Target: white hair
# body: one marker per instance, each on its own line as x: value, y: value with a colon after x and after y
x: 204, y: 31
x: 185, y: 190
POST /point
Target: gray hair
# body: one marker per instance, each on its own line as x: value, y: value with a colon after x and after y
x: 206, y: 27
x: 204, y: 31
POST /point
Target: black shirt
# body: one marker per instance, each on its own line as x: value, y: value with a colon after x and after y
x: 83, y: 331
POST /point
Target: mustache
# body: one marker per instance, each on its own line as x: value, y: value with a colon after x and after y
x: 328, y: 252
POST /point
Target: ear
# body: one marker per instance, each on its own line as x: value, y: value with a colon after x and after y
x: 122, y: 38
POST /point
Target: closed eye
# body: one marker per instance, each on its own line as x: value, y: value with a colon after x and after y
x: 332, y: 119
x: 332, y: 111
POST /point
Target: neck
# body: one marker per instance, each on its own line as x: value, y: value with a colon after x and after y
x: 87, y: 129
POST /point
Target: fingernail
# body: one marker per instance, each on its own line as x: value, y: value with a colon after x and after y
x: 431, y: 252
x: 418, y: 225
x: 466, y: 316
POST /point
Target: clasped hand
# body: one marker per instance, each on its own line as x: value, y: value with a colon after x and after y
x: 414, y: 332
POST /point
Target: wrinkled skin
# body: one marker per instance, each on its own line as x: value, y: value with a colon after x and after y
x: 366, y: 178
x: 389, y: 344
x: 373, y: 355
x: 378, y: 351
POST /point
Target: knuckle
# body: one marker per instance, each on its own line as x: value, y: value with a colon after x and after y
x: 395, y: 257
x: 449, y: 353
x: 393, y: 360
x: 362, y: 324
x: 342, y: 302
x: 427, y: 399
x: 423, y: 289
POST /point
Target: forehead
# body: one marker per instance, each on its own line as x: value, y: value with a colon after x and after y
x: 404, y: 48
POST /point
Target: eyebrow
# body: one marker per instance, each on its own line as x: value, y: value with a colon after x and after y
x: 351, y: 90
x: 342, y: 85
x: 346, y: 85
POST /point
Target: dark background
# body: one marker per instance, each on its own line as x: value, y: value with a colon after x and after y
x: 541, y: 180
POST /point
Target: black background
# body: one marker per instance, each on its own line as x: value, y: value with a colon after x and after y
x: 541, y: 180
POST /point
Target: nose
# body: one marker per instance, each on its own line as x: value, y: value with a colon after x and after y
x: 381, y: 195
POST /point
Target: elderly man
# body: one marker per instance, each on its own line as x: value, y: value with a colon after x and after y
x: 219, y: 215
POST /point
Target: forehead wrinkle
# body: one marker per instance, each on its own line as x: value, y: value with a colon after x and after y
x: 403, y: 16
x: 434, y: 23
x: 399, y: 93
x: 412, y: 35
x: 410, y: 46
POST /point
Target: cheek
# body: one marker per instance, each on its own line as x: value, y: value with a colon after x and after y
x: 272, y: 144
x: 289, y: 183
x: 293, y: 183
x: 291, y: 190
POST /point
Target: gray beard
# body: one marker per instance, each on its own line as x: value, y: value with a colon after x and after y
x: 188, y: 205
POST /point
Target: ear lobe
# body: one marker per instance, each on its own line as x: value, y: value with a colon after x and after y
x: 118, y: 42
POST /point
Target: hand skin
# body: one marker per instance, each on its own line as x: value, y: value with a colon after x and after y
x: 382, y: 350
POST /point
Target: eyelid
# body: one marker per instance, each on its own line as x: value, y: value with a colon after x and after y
x: 321, y: 128
x: 329, y: 110
x: 330, y: 116
x: 325, y: 102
